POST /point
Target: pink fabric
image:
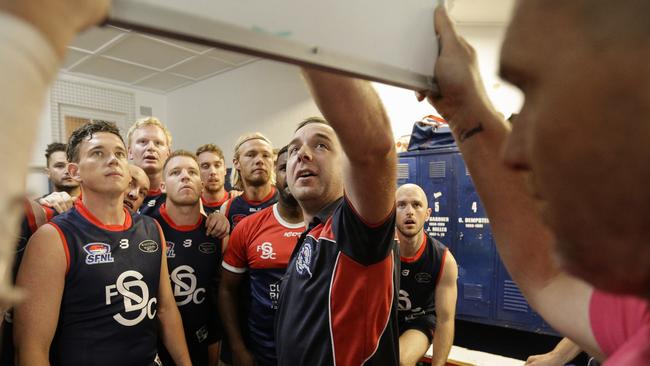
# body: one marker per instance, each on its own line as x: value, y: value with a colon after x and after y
x: 621, y: 326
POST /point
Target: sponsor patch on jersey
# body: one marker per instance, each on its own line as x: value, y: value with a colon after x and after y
x: 289, y: 234
x: 202, y: 333
x: 151, y: 203
x: 303, y: 262
x: 170, y: 250
x: 405, y: 272
x: 97, y: 253
x: 148, y: 246
x: 208, y: 248
x: 423, y: 277
x: 187, y: 243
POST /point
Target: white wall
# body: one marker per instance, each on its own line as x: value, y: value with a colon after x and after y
x: 37, y: 180
x: 271, y: 98
x: 263, y: 96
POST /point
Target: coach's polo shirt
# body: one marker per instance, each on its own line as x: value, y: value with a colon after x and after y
x: 337, y: 299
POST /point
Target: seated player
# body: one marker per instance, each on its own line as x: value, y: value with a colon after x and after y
x: 427, y: 295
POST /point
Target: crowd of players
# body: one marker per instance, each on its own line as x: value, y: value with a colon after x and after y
x: 126, y: 267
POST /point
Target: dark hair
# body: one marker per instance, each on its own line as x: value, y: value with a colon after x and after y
x: 311, y: 120
x: 179, y: 152
x: 86, y: 132
x: 282, y: 150
x: 52, y: 148
x: 210, y: 148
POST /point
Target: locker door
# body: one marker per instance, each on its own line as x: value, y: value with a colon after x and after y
x: 475, y: 250
x: 436, y: 177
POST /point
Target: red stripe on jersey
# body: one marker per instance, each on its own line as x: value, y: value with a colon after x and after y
x: 64, y: 241
x: 255, y: 203
x: 442, y: 265
x: 226, y: 195
x: 49, y: 213
x: 418, y: 254
x: 359, y: 292
x: 83, y: 210
x: 184, y: 228
x: 31, y: 220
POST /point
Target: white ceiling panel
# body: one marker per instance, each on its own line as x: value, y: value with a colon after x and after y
x: 147, y: 51
x: 230, y: 57
x: 95, y: 38
x: 73, y: 56
x: 111, y: 69
x: 188, y: 45
x: 200, y: 67
x: 164, y: 82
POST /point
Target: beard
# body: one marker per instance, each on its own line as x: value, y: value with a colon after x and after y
x: 286, y: 197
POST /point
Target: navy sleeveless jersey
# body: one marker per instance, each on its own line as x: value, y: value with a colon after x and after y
x: 152, y: 202
x: 193, y: 259
x: 215, y: 206
x: 338, y: 297
x: 237, y: 208
x: 419, y: 276
x: 108, y: 308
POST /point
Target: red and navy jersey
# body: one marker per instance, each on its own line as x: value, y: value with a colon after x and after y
x: 152, y: 202
x: 235, y: 209
x: 338, y: 297
x: 214, y: 206
x: 262, y: 244
x: 109, y: 303
x: 193, y: 260
x: 419, y: 277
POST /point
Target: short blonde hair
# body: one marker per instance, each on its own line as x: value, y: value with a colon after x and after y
x: 149, y: 121
x: 235, y: 177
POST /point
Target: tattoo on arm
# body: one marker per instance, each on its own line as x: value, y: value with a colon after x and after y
x: 467, y: 134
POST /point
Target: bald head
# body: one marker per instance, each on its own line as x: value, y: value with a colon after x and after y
x: 412, y: 210
x: 138, y: 188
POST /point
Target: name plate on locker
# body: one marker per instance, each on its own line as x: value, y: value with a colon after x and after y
x: 389, y: 41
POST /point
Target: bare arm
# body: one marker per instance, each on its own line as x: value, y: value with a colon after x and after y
x: 42, y: 276
x: 171, y: 325
x: 355, y: 112
x: 524, y: 243
x: 446, y: 293
x: 564, y: 352
x: 228, y: 308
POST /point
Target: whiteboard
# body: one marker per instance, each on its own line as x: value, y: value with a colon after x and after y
x: 390, y: 41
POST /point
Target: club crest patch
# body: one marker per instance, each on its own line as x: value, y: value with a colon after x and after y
x: 303, y: 262
x: 97, y: 253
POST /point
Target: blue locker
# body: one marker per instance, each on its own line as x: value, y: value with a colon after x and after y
x: 486, y: 293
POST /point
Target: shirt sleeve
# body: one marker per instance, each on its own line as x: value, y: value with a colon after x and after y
x: 364, y: 243
x: 615, y: 318
x: 235, y: 259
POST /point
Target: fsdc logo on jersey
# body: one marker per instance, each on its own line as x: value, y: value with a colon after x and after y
x: 98, y: 253
x: 134, y: 294
x: 185, y: 289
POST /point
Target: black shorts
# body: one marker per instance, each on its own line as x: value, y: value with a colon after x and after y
x: 425, y: 324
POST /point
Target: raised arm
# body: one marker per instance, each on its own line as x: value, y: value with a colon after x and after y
x: 357, y: 115
x: 42, y: 276
x: 446, y: 294
x: 524, y: 243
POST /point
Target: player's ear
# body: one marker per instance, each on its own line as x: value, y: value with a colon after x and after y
x: 428, y: 213
x: 73, y: 171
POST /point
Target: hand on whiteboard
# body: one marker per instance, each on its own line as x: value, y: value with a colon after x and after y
x: 58, y: 20
x: 456, y: 73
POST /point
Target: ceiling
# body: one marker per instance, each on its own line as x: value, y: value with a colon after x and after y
x: 162, y: 65
x: 145, y: 62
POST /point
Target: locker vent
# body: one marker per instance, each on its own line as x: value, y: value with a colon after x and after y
x: 402, y: 171
x: 472, y: 291
x: 513, y: 300
x: 437, y: 169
